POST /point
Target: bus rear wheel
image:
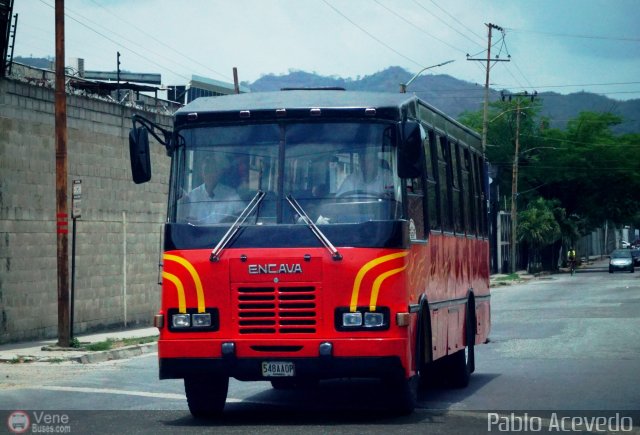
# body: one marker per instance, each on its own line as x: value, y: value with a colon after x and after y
x: 206, y: 395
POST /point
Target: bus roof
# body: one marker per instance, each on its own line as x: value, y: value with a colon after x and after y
x: 298, y: 104
x: 297, y: 99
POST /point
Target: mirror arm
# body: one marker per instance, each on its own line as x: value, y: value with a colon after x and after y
x: 151, y: 128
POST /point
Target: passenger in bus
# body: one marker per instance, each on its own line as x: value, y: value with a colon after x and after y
x: 212, y: 201
x: 372, y: 179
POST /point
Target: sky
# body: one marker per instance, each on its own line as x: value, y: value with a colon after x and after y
x: 562, y: 46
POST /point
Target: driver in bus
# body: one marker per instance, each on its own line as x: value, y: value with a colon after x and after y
x: 213, y: 201
x: 370, y: 179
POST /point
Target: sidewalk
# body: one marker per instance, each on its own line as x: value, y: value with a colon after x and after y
x: 593, y: 263
x: 48, y: 351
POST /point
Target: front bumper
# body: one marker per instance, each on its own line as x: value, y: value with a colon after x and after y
x: 249, y: 369
x: 621, y: 267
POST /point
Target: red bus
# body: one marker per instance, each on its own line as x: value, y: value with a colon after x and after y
x: 318, y: 234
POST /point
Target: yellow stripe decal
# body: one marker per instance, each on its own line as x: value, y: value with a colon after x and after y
x: 194, y: 275
x: 378, y: 282
x: 363, y: 271
x: 182, y: 304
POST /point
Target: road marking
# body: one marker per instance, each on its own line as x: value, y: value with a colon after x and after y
x: 170, y: 396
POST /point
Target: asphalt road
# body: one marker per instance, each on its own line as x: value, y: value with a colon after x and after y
x: 560, y: 345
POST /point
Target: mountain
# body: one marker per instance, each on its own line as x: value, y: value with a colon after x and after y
x: 36, y: 62
x: 448, y: 94
x: 453, y: 96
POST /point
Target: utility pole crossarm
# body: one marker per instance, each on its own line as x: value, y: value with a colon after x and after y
x: 488, y: 60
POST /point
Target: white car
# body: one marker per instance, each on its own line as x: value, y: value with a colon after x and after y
x: 621, y: 259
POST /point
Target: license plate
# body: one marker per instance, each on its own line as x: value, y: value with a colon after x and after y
x: 278, y: 369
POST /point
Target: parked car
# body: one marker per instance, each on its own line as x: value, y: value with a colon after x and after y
x: 635, y: 253
x: 621, y: 259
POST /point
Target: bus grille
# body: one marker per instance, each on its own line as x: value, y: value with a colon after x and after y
x: 277, y: 310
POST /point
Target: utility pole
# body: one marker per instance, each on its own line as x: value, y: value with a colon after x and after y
x: 514, y: 182
x: 236, y: 84
x: 488, y: 60
x: 62, y: 217
x: 118, y: 75
x: 514, y: 192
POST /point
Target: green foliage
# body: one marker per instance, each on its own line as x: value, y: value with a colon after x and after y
x: 510, y: 277
x: 100, y: 345
x: 591, y: 172
x: 594, y: 173
x: 537, y: 225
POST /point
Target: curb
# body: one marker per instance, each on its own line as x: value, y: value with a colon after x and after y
x: 87, y: 358
x: 115, y: 354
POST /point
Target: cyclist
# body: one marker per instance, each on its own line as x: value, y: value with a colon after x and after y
x: 571, y: 259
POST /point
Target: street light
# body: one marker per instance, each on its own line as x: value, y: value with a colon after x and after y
x: 403, y: 86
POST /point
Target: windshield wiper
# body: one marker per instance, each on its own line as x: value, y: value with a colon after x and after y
x: 215, y: 254
x: 314, y: 229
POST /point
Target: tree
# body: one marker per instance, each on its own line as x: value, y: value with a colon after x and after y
x: 538, y: 228
x: 594, y: 173
x: 501, y: 136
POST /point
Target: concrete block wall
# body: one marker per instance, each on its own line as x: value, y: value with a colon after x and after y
x: 118, y: 234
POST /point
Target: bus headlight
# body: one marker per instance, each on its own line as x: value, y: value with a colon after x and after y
x: 362, y: 319
x: 181, y: 320
x: 350, y: 320
x: 373, y: 320
x: 201, y: 320
x: 193, y: 320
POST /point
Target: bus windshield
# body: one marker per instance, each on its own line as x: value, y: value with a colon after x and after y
x: 337, y: 172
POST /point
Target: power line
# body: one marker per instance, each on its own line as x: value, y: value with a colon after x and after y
x: 567, y: 35
x: 521, y: 73
x: 459, y: 22
x: 117, y: 43
x: 169, y: 47
x: 379, y: 41
x: 446, y: 24
x: 577, y: 142
x: 579, y: 84
x: 419, y: 28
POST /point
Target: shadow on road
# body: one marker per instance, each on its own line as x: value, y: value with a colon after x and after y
x: 336, y: 402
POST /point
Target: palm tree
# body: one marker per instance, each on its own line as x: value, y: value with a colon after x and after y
x: 537, y: 226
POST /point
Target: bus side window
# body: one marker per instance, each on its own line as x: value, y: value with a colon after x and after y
x: 456, y: 189
x: 415, y: 207
x: 444, y: 183
x: 480, y: 197
x: 432, y: 194
x: 468, y: 176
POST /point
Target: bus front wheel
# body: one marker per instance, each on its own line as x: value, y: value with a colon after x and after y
x: 206, y: 396
x: 461, y: 364
x: 403, y: 394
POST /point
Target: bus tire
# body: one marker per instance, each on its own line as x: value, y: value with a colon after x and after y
x: 206, y: 396
x: 403, y: 394
x: 461, y: 364
x: 423, y: 347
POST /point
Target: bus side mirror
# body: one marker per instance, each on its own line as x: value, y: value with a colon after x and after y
x: 410, y: 152
x: 139, y: 155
